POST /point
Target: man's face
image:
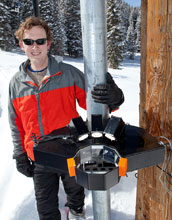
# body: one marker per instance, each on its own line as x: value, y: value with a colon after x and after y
x: 36, y: 53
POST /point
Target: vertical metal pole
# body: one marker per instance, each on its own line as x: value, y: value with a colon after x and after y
x: 93, y: 20
x: 101, y: 205
x: 36, y: 8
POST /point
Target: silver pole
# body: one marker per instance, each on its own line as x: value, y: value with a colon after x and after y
x: 93, y: 20
x: 101, y: 204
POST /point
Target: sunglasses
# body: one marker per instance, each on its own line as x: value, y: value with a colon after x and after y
x: 40, y: 41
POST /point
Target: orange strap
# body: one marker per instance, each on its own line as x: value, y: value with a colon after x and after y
x: 122, y: 166
x: 71, y: 166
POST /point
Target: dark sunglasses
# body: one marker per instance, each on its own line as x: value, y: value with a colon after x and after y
x: 40, y: 41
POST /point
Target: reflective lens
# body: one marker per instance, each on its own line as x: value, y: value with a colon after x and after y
x: 96, y: 134
x: 40, y: 41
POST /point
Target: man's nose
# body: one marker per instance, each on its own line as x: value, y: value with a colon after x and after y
x: 35, y: 45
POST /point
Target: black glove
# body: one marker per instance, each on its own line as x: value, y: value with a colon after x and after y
x: 108, y: 93
x: 24, y: 165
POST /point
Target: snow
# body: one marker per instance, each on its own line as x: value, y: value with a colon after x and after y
x: 17, y: 194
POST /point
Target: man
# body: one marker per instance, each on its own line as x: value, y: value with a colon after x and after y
x: 42, y: 98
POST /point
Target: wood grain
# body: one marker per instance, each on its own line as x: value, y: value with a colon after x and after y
x: 153, y: 202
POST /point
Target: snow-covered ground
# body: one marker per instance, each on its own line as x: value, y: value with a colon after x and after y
x: 17, y: 201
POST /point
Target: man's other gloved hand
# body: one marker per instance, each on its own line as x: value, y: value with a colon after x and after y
x: 24, y: 165
x: 108, y: 93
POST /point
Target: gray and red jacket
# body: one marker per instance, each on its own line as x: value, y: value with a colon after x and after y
x: 40, y: 110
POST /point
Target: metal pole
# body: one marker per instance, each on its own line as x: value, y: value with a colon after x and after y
x: 93, y: 20
x: 36, y: 8
x: 101, y: 204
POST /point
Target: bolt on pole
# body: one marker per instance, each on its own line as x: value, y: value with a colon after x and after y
x: 93, y: 21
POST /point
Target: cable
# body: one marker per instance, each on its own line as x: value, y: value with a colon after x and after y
x: 165, y: 165
x: 41, y: 138
x: 165, y: 172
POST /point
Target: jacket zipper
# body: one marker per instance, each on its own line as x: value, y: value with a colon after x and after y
x: 44, y: 82
x: 36, y: 93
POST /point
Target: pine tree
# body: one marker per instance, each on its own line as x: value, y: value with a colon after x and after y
x: 23, y: 9
x: 26, y: 9
x: 73, y: 28
x: 62, y: 20
x: 58, y: 31
x: 50, y: 12
x: 114, y: 34
x: 131, y: 46
x: 7, y: 40
x: 138, y: 32
x: 125, y: 14
x: 132, y: 33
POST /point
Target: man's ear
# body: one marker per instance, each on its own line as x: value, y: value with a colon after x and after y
x: 48, y: 44
x: 21, y: 45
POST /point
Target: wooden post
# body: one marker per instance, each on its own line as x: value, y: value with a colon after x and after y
x: 153, y: 202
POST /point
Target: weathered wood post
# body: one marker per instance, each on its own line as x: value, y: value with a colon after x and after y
x: 153, y: 202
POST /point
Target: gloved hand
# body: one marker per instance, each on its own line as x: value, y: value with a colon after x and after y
x: 108, y: 93
x: 24, y: 165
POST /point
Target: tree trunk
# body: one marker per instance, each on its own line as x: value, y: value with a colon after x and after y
x: 153, y: 201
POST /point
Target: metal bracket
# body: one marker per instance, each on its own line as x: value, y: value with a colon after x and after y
x: 99, y: 158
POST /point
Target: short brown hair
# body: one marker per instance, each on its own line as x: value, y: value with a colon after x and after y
x: 31, y: 22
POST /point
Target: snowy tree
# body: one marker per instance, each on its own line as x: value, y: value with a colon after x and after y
x: 25, y: 9
x: 57, y: 28
x: 61, y: 24
x: 130, y: 40
x: 73, y: 28
x: 18, y: 11
x: 49, y: 11
x: 132, y: 33
x: 114, y: 34
x: 133, y: 18
x: 138, y: 32
x: 125, y: 14
x: 7, y: 40
x: 63, y: 17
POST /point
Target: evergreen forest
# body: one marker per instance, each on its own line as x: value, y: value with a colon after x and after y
x: 63, y: 17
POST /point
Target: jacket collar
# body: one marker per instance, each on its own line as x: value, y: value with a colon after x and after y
x: 53, y: 67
